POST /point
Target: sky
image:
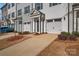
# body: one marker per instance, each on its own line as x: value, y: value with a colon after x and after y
x: 1, y: 4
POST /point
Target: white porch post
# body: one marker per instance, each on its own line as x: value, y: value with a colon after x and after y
x: 15, y: 26
x: 45, y: 26
x: 33, y: 25
x: 39, y: 25
x: 36, y: 26
x: 42, y: 26
x: 74, y: 20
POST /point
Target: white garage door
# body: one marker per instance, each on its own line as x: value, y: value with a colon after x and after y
x: 54, y: 26
x: 27, y: 26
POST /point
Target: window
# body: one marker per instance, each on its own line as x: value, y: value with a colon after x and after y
x: 13, y: 4
x: 77, y: 14
x: 20, y: 22
x: 50, y: 20
x: 53, y: 4
x: 38, y: 6
x: 64, y: 18
x: 8, y: 6
x: 57, y: 20
x: 50, y: 4
x: 19, y: 12
x: 13, y: 15
x: 27, y: 22
x: 32, y: 6
x: 8, y: 15
x: 27, y: 9
x: 5, y: 17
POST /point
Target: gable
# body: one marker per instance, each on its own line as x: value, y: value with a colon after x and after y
x: 35, y: 13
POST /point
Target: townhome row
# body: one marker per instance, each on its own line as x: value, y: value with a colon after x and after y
x: 42, y: 17
x: 9, y: 14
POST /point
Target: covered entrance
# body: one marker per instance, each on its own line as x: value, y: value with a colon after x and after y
x: 38, y: 19
x: 36, y: 24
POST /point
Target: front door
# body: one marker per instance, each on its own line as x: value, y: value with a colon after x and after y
x: 37, y: 25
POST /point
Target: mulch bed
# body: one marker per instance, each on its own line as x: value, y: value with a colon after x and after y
x: 4, y: 43
x: 61, y: 48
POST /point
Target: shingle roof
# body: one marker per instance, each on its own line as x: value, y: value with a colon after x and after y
x: 3, y: 6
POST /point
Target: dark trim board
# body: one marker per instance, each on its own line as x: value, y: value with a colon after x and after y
x: 68, y: 16
x: 73, y: 18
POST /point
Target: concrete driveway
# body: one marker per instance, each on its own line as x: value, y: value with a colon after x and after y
x: 30, y: 47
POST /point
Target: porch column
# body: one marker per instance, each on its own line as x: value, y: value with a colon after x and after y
x: 32, y: 25
x: 39, y: 26
x: 78, y: 24
x: 36, y: 26
x: 45, y: 26
x: 42, y: 26
x: 73, y: 19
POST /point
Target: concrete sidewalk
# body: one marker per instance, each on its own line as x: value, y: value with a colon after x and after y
x: 30, y: 47
x: 6, y: 35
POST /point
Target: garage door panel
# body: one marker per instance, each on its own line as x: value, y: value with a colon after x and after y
x: 27, y: 27
x: 53, y: 27
x: 57, y: 26
x: 49, y: 27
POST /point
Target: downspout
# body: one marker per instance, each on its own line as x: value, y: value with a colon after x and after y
x: 16, y: 16
x: 73, y: 19
x: 76, y: 24
x: 21, y: 23
x: 16, y: 20
x: 32, y: 19
x: 68, y: 17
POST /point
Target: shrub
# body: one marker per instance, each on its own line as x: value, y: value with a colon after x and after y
x: 65, y: 33
x: 75, y: 33
x: 19, y: 32
x: 36, y: 33
x: 72, y: 37
x: 45, y: 32
x: 26, y: 32
x: 62, y: 37
x: 15, y: 31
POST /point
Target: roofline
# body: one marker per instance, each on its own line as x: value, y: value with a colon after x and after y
x: 3, y: 6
